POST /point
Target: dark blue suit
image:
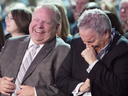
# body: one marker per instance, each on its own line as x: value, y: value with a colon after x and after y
x: 109, y: 77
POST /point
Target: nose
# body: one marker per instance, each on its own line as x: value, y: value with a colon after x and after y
x: 40, y: 25
x: 88, y: 45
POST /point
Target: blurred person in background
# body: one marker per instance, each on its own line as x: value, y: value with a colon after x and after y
x: 114, y: 3
x: 6, y: 9
x: 17, y: 21
x: 124, y: 14
x: 32, y: 2
x: 109, y: 6
x: 2, y: 37
x: 90, y: 5
x: 31, y: 8
x: 115, y: 22
x: 0, y: 13
x: 64, y: 29
x: 78, y: 8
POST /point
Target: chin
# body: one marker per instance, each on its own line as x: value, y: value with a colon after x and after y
x: 7, y: 31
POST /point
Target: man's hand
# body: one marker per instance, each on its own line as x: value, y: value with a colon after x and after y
x: 89, y: 55
x: 7, y: 86
x: 85, y: 86
x: 25, y: 91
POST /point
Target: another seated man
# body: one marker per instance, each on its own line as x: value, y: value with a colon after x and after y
x: 97, y: 64
x: 29, y: 64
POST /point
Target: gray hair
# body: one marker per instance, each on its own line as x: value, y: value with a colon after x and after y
x: 123, y: 1
x: 95, y: 19
x: 57, y: 16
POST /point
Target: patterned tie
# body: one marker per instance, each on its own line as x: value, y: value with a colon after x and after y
x: 24, y: 66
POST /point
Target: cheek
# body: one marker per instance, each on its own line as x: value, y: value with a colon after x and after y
x: 30, y: 27
x: 95, y: 45
x: 32, y: 24
x: 13, y: 26
x: 52, y: 32
x: 127, y: 13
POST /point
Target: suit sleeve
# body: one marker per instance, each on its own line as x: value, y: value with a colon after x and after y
x: 64, y: 81
x: 113, y: 79
x: 1, y: 56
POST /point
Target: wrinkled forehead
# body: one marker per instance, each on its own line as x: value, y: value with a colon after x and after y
x: 42, y: 9
x: 43, y: 12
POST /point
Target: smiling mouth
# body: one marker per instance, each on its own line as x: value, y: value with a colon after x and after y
x: 39, y: 32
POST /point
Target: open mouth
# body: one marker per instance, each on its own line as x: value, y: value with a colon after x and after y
x: 41, y: 32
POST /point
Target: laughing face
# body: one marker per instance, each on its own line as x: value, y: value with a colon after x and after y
x: 91, y: 39
x: 42, y: 27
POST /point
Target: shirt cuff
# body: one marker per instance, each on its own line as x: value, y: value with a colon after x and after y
x: 76, y: 92
x: 91, y: 66
x: 35, y: 91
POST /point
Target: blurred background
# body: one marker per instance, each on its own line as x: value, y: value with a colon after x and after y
x: 69, y: 5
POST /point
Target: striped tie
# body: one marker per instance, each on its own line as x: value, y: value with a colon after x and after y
x: 24, y: 66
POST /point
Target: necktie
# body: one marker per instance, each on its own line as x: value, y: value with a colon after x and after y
x: 24, y: 66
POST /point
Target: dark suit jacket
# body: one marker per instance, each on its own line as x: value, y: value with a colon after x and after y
x: 109, y: 77
x: 42, y: 71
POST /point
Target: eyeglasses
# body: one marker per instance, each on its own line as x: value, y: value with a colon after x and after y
x: 7, y: 18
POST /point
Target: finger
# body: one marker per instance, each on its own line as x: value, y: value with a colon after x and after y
x: 88, y: 80
x: 9, y: 87
x: 5, y: 93
x: 21, y: 86
x: 18, y: 92
x: 9, y: 79
x: 7, y: 90
x: 9, y: 84
x: 82, y: 53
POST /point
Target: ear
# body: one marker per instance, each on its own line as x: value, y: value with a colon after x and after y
x: 107, y: 34
x: 57, y: 26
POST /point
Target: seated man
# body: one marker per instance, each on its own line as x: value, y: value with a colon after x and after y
x: 29, y: 64
x: 97, y: 64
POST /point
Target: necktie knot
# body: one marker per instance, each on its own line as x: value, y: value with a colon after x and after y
x: 35, y: 46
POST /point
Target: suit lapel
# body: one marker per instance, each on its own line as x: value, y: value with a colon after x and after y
x: 112, y: 52
x: 20, y: 54
x: 45, y: 50
x: 116, y: 38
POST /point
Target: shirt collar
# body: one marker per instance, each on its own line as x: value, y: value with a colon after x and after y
x: 31, y: 44
x: 107, y: 47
